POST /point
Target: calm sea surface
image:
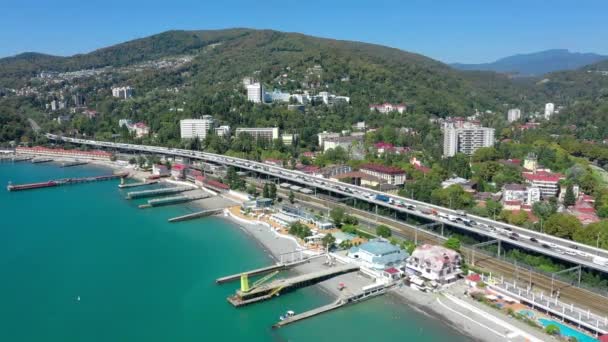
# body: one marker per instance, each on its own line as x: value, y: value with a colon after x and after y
x: 140, y: 278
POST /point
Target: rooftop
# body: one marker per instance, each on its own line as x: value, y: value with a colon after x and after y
x: 382, y: 169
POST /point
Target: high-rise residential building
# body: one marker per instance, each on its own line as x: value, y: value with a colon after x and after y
x: 268, y: 133
x: 78, y: 100
x: 465, y: 139
x: 513, y: 114
x: 192, y: 128
x: 122, y: 92
x: 255, y: 92
x: 549, y: 110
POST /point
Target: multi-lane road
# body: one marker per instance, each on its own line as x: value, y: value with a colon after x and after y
x: 573, y: 252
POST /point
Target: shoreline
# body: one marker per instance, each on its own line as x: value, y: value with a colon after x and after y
x: 275, y: 244
x: 481, y: 328
x: 394, y: 297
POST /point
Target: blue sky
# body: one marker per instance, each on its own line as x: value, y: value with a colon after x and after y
x: 448, y: 30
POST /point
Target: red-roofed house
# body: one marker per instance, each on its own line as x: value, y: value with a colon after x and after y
x: 392, y: 175
x: 382, y: 147
x: 473, y: 279
x: 392, y: 273
x: 274, y: 162
x: 434, y: 262
x: 584, y: 210
x: 215, y: 185
x: 178, y: 171
x: 312, y: 170
x: 547, y: 182
x: 388, y: 107
x: 309, y: 154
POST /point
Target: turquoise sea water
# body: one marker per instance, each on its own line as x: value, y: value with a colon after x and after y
x: 140, y: 278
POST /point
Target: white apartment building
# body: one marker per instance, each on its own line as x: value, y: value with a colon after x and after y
x: 466, y: 139
x: 326, y: 135
x: 549, y: 110
x: 289, y: 139
x: 521, y: 193
x: 547, y: 182
x: 345, y: 142
x: 122, y: 92
x: 222, y: 131
x: 255, y: 92
x: 268, y: 133
x: 192, y: 128
x: 513, y: 114
x: 388, y: 107
x: 392, y: 175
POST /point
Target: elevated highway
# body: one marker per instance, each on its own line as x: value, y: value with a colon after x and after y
x: 558, y: 248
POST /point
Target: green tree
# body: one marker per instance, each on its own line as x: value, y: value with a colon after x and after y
x: 300, y: 230
x: 544, y: 209
x: 493, y: 208
x: 266, y: 191
x: 337, y: 216
x: 562, y: 225
x: 272, y: 191
x: 569, y: 198
x: 328, y: 240
x: 345, y: 244
x: 349, y: 219
x: 292, y: 197
x: 452, y: 243
x: 383, y: 231
x: 552, y: 329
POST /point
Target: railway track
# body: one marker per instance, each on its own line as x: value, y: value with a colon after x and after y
x: 568, y: 293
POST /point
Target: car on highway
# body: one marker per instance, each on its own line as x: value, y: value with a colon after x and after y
x: 533, y: 239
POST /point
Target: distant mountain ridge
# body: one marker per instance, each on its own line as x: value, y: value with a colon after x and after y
x: 537, y: 63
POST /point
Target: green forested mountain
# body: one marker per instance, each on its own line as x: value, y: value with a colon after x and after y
x: 211, y: 84
x: 374, y: 73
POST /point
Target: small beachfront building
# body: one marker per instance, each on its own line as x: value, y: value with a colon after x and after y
x: 378, y: 254
x: 160, y: 170
x: 435, y: 263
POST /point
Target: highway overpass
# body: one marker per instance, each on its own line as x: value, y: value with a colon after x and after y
x: 558, y: 248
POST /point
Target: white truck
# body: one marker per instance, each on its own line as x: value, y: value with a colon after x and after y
x: 600, y: 260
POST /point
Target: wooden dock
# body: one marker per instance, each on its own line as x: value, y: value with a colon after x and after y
x: 275, y: 288
x: 340, y: 302
x: 198, y: 214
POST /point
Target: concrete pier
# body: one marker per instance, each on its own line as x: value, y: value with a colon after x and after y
x: 41, y: 160
x: 157, y: 192
x: 138, y: 184
x: 74, y: 163
x: 349, y: 299
x: 260, y: 271
x: 157, y: 202
x: 198, y: 214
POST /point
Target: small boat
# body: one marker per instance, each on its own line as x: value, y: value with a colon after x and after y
x: 78, y: 298
x: 288, y: 314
